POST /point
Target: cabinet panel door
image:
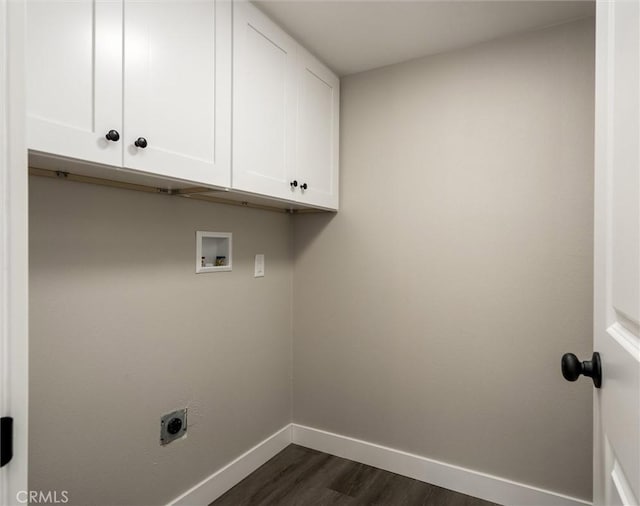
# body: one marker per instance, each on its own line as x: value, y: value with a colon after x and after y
x: 318, y: 135
x: 177, y: 88
x: 264, y: 104
x: 74, y: 78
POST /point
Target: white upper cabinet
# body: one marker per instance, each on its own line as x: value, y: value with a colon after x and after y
x: 264, y: 104
x: 285, y: 115
x: 316, y: 167
x: 177, y: 89
x: 171, y: 92
x: 74, y: 78
x: 146, y: 85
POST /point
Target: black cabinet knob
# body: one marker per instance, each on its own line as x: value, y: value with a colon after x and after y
x: 294, y: 184
x: 113, y: 135
x: 304, y: 186
x: 572, y: 368
x: 141, y: 142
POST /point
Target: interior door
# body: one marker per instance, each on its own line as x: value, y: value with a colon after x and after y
x: 14, y: 254
x: 617, y: 254
x: 177, y: 89
x: 74, y: 78
x: 264, y: 104
x: 316, y: 168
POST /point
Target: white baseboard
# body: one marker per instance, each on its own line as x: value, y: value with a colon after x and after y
x: 466, y: 481
x: 233, y: 473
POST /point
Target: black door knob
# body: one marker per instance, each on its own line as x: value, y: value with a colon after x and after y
x: 174, y: 426
x: 572, y: 368
x: 141, y: 142
x: 113, y: 135
x: 294, y: 183
x: 304, y: 186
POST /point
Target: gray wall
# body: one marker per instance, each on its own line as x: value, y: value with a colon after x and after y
x: 431, y: 312
x: 123, y: 330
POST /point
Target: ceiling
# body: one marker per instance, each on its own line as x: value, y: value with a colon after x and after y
x: 354, y: 35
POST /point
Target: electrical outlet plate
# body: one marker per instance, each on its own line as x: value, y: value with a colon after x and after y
x: 258, y: 271
x: 168, y: 424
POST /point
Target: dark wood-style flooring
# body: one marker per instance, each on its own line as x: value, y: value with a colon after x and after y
x: 303, y: 477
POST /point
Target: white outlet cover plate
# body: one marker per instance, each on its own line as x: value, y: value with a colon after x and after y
x: 259, y: 267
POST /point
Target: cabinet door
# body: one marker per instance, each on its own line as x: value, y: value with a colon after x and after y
x: 177, y: 89
x: 264, y: 104
x: 74, y: 78
x: 317, y: 130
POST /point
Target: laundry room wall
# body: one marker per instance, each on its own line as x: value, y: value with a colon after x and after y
x: 431, y: 313
x: 123, y: 331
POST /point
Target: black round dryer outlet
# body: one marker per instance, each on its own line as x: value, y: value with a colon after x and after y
x: 174, y: 426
